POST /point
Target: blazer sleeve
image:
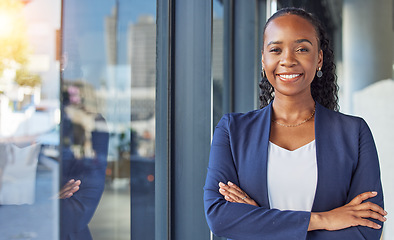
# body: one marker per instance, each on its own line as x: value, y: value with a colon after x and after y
x: 367, y: 177
x: 237, y: 220
x: 78, y: 210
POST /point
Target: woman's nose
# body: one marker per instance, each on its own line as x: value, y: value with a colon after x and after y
x: 288, y: 59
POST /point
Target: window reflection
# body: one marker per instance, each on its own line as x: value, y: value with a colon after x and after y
x: 217, y: 59
x: 108, y: 90
x: 101, y: 174
x: 29, y: 118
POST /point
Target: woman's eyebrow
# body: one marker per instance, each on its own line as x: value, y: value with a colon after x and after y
x: 296, y: 41
x: 274, y: 42
x: 303, y: 40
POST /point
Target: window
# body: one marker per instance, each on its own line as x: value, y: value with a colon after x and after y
x: 108, y: 93
x: 83, y: 73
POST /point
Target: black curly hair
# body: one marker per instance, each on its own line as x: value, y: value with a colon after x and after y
x: 324, y: 89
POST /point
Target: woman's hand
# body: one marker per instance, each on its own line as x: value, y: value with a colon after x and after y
x: 355, y: 213
x: 69, y: 189
x: 233, y: 193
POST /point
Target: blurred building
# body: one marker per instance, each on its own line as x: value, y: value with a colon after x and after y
x: 143, y: 52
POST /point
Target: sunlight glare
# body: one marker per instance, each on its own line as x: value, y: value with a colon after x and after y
x: 5, y: 24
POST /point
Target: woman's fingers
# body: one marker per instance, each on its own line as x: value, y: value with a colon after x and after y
x: 224, y: 190
x: 368, y: 209
x: 228, y: 198
x: 232, y: 188
x: 368, y: 223
x: 233, y: 193
x: 372, y: 207
x: 67, y: 186
x: 236, y: 188
x: 69, y: 189
x: 250, y: 201
x: 372, y: 214
x: 362, y: 197
x: 231, y: 197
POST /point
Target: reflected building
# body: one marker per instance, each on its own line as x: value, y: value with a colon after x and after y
x: 143, y: 52
x: 142, y: 44
x: 217, y: 50
x: 129, y: 91
x: 217, y: 67
x: 134, y: 101
x: 114, y: 92
x: 110, y: 37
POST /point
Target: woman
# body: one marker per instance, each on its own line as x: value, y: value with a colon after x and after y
x: 295, y: 169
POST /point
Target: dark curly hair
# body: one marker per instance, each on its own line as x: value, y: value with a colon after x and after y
x: 324, y: 89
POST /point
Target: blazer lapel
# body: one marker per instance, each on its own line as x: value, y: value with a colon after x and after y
x: 266, y: 123
x: 323, y: 142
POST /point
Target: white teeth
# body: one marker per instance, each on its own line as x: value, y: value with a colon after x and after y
x: 289, y: 76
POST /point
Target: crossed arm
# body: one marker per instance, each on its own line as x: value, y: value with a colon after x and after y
x: 355, y: 213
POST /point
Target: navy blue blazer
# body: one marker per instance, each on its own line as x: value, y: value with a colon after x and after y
x: 347, y: 166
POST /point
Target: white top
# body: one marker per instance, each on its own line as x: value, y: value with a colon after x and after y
x: 292, y: 177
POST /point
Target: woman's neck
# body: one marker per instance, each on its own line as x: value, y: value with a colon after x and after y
x: 292, y: 110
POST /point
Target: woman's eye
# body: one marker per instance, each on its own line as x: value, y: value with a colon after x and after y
x: 302, y: 50
x: 274, y: 50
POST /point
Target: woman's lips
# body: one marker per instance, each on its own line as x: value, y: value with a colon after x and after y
x: 289, y: 77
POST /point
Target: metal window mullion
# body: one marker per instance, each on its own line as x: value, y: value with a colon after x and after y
x: 164, y: 109
x: 228, y: 56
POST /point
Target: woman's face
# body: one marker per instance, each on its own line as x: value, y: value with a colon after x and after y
x: 291, y: 55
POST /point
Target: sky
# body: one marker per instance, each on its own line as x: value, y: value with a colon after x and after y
x: 84, y: 28
x: 217, y: 9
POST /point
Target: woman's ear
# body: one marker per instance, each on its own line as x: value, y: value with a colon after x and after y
x: 262, y: 60
x: 320, y: 59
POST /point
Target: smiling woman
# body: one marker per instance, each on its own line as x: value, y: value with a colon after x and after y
x: 324, y: 88
x: 272, y: 171
x: 291, y: 56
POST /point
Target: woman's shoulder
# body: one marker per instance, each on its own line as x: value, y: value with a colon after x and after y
x: 247, y: 116
x: 238, y: 122
x: 337, y: 117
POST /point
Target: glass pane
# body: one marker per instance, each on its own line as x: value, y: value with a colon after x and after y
x: 217, y: 60
x: 108, y: 131
x: 29, y: 118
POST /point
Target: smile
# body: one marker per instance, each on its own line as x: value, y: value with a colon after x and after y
x: 289, y: 77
